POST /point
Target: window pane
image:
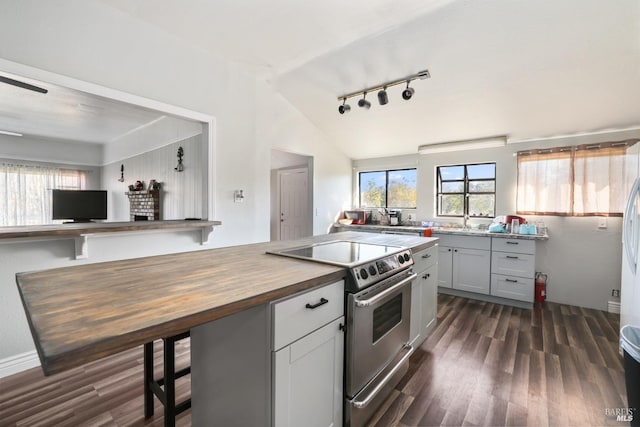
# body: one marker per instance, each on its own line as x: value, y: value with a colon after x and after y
x: 482, y: 186
x: 482, y: 205
x: 485, y: 171
x: 451, y: 172
x: 402, y: 189
x: 453, y: 187
x: 451, y: 205
x: 372, y: 189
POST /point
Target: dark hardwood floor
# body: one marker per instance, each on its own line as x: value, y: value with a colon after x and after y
x: 493, y: 365
x: 484, y: 364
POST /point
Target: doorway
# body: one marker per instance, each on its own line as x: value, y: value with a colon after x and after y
x: 291, y: 195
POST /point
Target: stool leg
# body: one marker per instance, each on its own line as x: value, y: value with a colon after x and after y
x: 169, y: 383
x: 148, y: 379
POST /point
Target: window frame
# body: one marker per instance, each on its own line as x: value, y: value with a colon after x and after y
x: 386, y: 188
x: 465, y: 193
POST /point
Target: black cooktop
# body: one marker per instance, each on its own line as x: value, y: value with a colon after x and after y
x: 341, y: 253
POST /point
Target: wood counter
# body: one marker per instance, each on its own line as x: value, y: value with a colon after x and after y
x: 79, y: 229
x: 83, y: 313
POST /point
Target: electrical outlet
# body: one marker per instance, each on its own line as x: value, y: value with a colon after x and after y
x: 602, y: 223
x: 615, y: 292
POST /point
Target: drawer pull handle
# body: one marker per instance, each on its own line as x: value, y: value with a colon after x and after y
x: 511, y: 280
x: 323, y: 301
x: 512, y: 243
x: 511, y: 257
x: 425, y: 256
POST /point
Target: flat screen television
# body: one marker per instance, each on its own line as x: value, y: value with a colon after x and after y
x: 79, y: 205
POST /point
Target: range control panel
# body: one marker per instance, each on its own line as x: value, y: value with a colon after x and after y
x: 372, y: 272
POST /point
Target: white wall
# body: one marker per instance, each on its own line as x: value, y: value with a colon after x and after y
x: 181, y: 192
x: 581, y: 260
x: 50, y: 151
x: 95, y: 43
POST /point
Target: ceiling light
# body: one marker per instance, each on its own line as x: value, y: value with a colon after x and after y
x: 363, y: 103
x: 8, y: 132
x: 383, y: 98
x: 344, y: 108
x: 470, y: 144
x: 408, y: 92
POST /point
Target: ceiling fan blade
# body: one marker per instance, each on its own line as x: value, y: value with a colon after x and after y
x: 22, y: 85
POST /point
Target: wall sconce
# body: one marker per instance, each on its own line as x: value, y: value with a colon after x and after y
x: 121, y: 179
x: 383, y: 97
x: 238, y: 196
x: 180, y: 166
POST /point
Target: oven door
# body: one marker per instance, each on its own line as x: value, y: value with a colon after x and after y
x: 378, y: 328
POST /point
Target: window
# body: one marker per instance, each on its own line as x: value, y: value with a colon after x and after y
x: 25, y: 192
x: 466, y: 190
x: 583, y: 180
x: 388, y: 189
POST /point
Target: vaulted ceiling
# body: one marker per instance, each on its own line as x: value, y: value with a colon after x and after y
x: 521, y: 68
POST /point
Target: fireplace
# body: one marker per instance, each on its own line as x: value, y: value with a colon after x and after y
x: 144, y: 205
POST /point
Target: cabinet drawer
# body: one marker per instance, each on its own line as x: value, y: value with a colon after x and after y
x: 468, y: 242
x: 520, y: 246
x: 425, y: 258
x: 293, y: 319
x: 513, y: 264
x: 512, y: 287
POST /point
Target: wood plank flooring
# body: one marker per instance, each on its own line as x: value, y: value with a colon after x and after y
x: 484, y: 364
x: 493, y: 365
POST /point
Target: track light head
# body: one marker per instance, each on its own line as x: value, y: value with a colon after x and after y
x: 383, y: 98
x: 344, y: 108
x: 363, y: 103
x: 408, y: 92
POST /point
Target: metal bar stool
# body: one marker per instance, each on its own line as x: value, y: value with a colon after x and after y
x: 154, y: 386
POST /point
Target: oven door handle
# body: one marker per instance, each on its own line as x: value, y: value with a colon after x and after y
x: 364, y: 402
x: 374, y: 299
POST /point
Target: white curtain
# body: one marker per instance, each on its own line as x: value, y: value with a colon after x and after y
x: 25, y: 192
x: 584, y: 180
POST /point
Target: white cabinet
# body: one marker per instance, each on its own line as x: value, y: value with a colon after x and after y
x: 276, y: 364
x: 308, y: 379
x: 513, y: 268
x: 424, y: 294
x: 308, y: 358
x: 464, y: 263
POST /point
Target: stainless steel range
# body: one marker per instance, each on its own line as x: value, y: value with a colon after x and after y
x: 377, y: 306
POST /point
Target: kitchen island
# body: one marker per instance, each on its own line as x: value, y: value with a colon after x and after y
x: 83, y: 313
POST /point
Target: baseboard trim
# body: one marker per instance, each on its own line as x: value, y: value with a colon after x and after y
x: 613, y: 306
x: 18, y: 363
x: 486, y: 298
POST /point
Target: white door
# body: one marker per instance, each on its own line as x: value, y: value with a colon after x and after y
x: 294, y: 204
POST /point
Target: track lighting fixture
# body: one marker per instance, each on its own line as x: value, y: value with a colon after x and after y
x: 363, y: 103
x: 408, y: 92
x: 383, y: 96
x: 344, y: 108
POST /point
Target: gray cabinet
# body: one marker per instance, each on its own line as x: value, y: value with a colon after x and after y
x: 276, y: 364
x: 513, y: 268
x: 424, y: 294
x: 308, y: 358
x: 465, y: 263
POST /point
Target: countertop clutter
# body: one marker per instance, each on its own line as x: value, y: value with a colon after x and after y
x: 114, y: 306
x: 418, y: 230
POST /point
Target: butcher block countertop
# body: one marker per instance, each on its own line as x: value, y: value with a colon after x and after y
x: 83, y: 313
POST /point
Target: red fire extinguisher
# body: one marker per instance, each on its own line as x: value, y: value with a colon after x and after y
x: 541, y: 287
